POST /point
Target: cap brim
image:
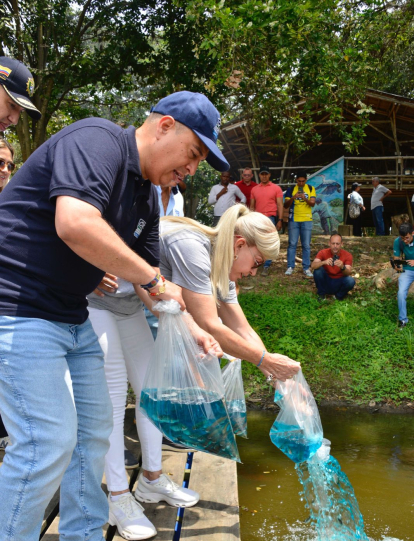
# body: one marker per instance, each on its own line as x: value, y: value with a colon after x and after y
x: 215, y: 157
x: 25, y: 103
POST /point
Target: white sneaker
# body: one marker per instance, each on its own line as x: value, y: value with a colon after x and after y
x: 165, y: 490
x: 308, y: 273
x: 289, y: 271
x: 128, y: 516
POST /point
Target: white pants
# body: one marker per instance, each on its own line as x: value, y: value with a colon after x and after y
x: 127, y: 344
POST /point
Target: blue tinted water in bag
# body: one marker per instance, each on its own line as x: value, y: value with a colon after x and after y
x: 238, y: 417
x: 297, y: 430
x: 292, y: 441
x: 192, y: 418
x: 183, y: 392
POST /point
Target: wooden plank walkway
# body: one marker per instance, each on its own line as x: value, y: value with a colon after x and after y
x: 214, y: 518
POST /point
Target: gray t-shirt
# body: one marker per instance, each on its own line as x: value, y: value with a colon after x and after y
x: 124, y: 302
x: 185, y: 260
x: 377, y: 193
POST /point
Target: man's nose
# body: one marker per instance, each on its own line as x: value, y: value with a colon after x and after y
x: 14, y: 117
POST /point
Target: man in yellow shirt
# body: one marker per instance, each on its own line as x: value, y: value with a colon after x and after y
x: 299, y: 200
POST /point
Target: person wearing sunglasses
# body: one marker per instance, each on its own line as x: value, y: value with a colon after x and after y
x: 6, y: 162
x: 206, y: 262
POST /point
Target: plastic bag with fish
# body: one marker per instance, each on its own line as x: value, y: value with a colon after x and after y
x: 183, y: 392
x: 297, y: 430
x: 234, y: 393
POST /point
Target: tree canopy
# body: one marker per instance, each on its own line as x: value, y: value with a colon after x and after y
x: 278, y: 61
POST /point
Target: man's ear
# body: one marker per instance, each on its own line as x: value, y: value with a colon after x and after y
x: 164, y: 125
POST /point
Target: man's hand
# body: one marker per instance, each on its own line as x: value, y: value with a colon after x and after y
x: 172, y: 292
x: 108, y: 283
x: 328, y: 261
x: 222, y: 192
x: 339, y: 263
x: 410, y: 262
x: 279, y: 225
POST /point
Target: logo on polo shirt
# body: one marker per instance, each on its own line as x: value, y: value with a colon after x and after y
x: 141, y: 224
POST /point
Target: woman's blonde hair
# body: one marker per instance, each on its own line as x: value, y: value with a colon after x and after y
x: 6, y: 144
x: 254, y: 227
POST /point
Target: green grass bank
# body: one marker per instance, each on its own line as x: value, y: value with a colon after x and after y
x: 350, y: 351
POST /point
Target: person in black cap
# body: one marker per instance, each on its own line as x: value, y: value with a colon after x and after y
x: 356, y: 205
x: 16, y: 90
x: 84, y: 203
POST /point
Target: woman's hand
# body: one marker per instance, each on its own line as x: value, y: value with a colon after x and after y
x: 203, y: 338
x: 279, y: 366
x: 108, y: 283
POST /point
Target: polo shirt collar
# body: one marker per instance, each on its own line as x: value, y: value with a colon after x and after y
x: 133, y: 155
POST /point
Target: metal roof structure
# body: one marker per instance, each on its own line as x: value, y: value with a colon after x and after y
x: 387, y: 151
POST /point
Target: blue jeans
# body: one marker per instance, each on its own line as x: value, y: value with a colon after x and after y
x: 152, y: 322
x: 57, y: 411
x: 332, y: 286
x: 304, y: 231
x: 377, y: 215
x: 404, y: 281
x: 268, y: 262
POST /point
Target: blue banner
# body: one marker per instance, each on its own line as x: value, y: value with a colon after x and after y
x: 328, y: 211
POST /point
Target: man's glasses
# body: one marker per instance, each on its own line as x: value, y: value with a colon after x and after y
x: 10, y: 165
x: 256, y: 263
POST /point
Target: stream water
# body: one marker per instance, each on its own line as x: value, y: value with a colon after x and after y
x: 376, y: 451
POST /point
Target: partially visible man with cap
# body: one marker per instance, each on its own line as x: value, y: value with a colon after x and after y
x: 267, y: 198
x: 379, y: 193
x: 16, y: 91
x: 15, y: 79
x: 84, y: 203
x: 356, y: 206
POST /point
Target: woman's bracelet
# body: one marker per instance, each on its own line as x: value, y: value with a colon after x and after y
x: 261, y: 358
x: 153, y: 282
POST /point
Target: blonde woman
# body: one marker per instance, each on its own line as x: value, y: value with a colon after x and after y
x: 6, y: 162
x: 206, y: 262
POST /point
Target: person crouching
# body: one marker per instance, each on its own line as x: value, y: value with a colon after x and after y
x: 331, y: 270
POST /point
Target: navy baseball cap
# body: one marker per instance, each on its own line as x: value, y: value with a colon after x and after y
x: 196, y: 111
x: 18, y: 83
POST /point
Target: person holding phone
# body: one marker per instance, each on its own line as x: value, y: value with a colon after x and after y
x: 299, y: 200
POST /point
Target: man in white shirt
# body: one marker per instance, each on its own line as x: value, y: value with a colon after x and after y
x: 171, y: 201
x: 223, y: 196
x: 379, y: 193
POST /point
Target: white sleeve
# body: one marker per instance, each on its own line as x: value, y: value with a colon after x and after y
x: 240, y: 195
x: 212, y: 198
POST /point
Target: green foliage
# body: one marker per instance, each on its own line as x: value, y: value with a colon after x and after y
x: 196, y: 195
x: 350, y: 349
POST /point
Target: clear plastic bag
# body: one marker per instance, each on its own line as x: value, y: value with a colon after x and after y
x: 183, y: 393
x: 297, y: 430
x: 234, y: 393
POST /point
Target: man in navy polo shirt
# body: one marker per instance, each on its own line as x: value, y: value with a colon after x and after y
x: 81, y: 205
